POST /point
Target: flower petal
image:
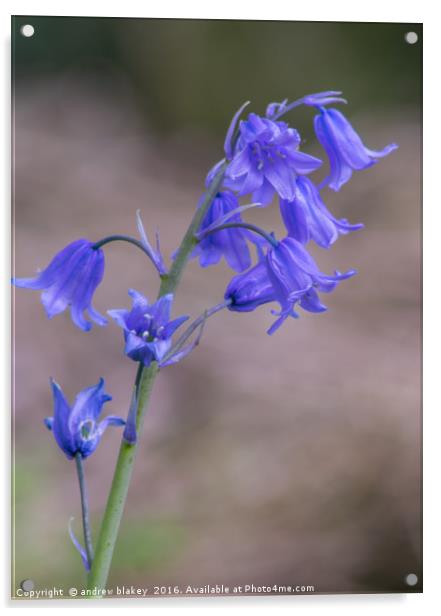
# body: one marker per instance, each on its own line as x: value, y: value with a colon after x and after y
x: 172, y: 326
x: 119, y: 316
x: 282, y: 178
x: 89, y: 402
x: 139, y: 301
x: 50, y: 274
x: 295, y: 218
x: 110, y: 420
x: 60, y: 423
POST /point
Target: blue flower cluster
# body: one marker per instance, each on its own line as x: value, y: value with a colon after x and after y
x: 264, y: 160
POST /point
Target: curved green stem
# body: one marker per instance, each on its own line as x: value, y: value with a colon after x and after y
x: 144, y: 381
x: 129, y: 240
x: 241, y: 225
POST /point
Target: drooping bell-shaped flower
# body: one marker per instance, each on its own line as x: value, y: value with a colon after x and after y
x: 296, y: 278
x: 70, y: 279
x: 286, y: 274
x: 228, y: 243
x: 344, y: 147
x: 251, y: 289
x: 76, y: 428
x: 306, y: 217
x: 147, y: 328
x: 267, y: 160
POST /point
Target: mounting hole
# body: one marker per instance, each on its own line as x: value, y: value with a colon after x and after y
x: 27, y: 30
x: 411, y: 579
x: 27, y: 585
x: 411, y: 38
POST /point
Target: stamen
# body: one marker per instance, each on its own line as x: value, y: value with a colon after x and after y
x: 87, y: 429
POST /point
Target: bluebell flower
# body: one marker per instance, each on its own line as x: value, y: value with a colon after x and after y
x: 306, y: 217
x: 344, y: 147
x: 288, y: 275
x: 76, y: 429
x: 228, y: 243
x: 251, y: 289
x: 70, y: 279
x: 295, y: 278
x: 147, y: 327
x: 267, y: 160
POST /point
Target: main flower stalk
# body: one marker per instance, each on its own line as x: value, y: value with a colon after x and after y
x: 144, y: 383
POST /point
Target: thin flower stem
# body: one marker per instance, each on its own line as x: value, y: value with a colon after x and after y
x: 84, y: 508
x: 194, y: 326
x: 244, y: 225
x: 289, y: 107
x: 145, y: 378
x: 223, y: 219
x: 124, y: 238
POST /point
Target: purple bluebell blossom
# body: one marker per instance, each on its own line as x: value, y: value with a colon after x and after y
x: 344, y: 147
x: 251, y: 289
x: 306, y: 217
x: 76, y: 429
x: 267, y: 160
x: 147, y: 328
x: 70, y: 279
x: 286, y: 274
x: 228, y: 243
x: 296, y: 278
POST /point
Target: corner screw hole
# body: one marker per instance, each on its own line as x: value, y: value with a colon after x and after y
x: 27, y: 30
x: 411, y: 579
x: 411, y: 38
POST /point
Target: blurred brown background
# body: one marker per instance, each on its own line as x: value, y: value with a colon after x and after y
x: 292, y: 459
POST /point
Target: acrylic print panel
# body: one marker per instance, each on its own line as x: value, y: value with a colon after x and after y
x: 282, y: 463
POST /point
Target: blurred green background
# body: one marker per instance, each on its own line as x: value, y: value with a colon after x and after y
x: 291, y: 459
